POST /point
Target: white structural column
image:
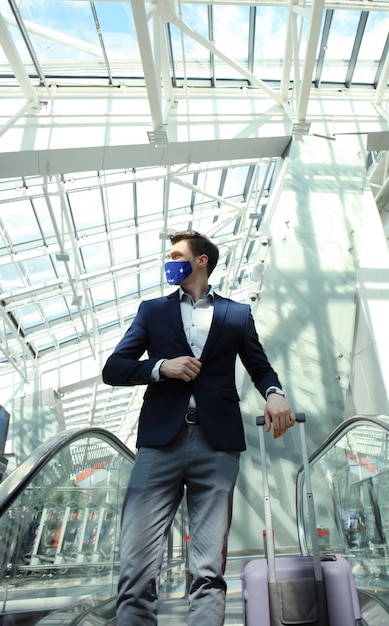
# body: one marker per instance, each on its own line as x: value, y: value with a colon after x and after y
x: 370, y: 364
x: 302, y: 67
x: 153, y: 82
x: 16, y: 63
x: 32, y: 100
x: 306, y: 315
x: 309, y: 59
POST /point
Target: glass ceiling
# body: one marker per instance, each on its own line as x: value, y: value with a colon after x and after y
x: 81, y: 246
x: 66, y: 41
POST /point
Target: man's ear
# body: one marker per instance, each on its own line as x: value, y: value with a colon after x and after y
x: 203, y: 260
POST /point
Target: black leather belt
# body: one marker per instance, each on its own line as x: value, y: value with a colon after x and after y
x: 191, y: 417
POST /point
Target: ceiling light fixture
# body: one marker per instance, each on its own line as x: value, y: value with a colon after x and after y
x: 62, y: 256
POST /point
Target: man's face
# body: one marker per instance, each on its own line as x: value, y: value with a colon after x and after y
x: 181, y: 251
x: 180, y: 264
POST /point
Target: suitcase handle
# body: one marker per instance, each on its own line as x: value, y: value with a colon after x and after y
x: 300, y: 417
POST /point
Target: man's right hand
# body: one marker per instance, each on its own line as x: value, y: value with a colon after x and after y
x: 185, y: 368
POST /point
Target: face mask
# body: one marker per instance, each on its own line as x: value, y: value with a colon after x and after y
x: 177, y: 271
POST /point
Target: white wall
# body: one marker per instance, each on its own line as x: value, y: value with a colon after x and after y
x: 306, y: 319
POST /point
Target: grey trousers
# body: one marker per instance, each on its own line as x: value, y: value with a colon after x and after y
x: 154, y: 493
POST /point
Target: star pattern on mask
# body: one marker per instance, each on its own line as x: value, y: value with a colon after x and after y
x: 174, y: 274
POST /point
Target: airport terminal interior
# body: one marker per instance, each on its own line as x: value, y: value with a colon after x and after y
x: 263, y: 124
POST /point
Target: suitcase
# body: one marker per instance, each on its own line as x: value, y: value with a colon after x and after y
x: 297, y: 589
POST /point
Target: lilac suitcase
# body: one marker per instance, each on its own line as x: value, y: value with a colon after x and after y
x: 297, y: 589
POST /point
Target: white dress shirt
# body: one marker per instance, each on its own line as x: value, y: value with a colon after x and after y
x: 196, y: 319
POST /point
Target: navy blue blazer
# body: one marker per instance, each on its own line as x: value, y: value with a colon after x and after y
x: 158, y: 330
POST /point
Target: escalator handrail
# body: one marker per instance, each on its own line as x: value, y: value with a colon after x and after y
x: 18, y: 480
x: 340, y: 431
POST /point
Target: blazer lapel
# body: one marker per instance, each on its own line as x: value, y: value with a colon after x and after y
x: 175, y: 320
x: 219, y: 314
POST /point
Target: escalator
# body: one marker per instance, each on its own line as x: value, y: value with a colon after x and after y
x: 60, y: 517
x: 350, y: 483
x: 59, y: 527
x: 59, y: 534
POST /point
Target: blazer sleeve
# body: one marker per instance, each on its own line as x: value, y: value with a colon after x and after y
x: 255, y: 360
x: 125, y: 366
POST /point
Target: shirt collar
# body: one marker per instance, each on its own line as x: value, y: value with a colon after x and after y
x: 209, y: 293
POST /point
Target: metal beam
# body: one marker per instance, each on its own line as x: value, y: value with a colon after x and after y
x: 383, y: 80
x: 68, y: 160
x: 309, y: 60
x: 208, y: 45
x: 17, y: 65
x: 153, y: 82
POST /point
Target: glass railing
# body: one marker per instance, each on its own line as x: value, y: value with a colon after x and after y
x: 350, y: 485
x: 60, y: 523
x: 60, y: 526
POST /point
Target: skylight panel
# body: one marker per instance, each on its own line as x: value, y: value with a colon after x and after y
x: 101, y: 294
x: 28, y: 316
x: 149, y: 198
x: 120, y: 202
x: 150, y: 279
x: 96, y: 256
x: 179, y: 197
x: 372, y: 47
x: 340, y: 44
x: 269, y: 44
x: 190, y: 58
x: 235, y: 181
x: 209, y: 180
x: 119, y: 35
x: 20, y: 222
x: 61, y: 31
x: 54, y: 308
x: 124, y: 247
x: 231, y: 32
x: 60, y: 267
x: 127, y: 286
x: 10, y: 278
x: 149, y: 242
x: 86, y: 209
x: 39, y: 270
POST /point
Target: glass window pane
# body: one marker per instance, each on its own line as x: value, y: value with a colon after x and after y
x: 149, y: 198
x: 40, y: 270
x: 54, y: 308
x: 270, y: 33
x: 96, y: 256
x: 87, y: 209
x: 340, y: 45
x: 124, y: 248
x: 196, y: 56
x: 120, y: 203
x: 20, y: 223
x: 10, y: 278
x: 372, y: 47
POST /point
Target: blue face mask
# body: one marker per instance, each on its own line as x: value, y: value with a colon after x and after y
x: 177, y: 271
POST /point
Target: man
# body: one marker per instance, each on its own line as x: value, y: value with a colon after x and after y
x: 190, y: 429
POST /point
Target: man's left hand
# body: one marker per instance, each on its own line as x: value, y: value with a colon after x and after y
x: 279, y: 413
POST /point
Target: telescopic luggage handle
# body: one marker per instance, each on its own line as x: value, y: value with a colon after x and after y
x: 300, y: 418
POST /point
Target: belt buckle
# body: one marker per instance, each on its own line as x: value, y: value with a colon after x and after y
x: 191, y: 417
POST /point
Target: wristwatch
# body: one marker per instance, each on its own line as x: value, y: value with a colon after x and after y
x: 274, y: 390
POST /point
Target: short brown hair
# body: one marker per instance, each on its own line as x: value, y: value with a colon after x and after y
x: 199, y: 244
